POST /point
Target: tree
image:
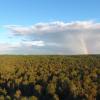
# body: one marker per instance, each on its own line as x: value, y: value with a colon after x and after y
x: 38, y: 88
x: 51, y: 88
x: 33, y: 98
x: 2, y: 97
x: 55, y: 97
x: 18, y: 94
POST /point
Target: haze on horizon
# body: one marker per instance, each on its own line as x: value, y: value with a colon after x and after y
x: 49, y: 27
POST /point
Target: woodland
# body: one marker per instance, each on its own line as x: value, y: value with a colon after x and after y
x: 49, y: 77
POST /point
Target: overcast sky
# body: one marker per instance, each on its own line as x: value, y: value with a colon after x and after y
x: 50, y: 27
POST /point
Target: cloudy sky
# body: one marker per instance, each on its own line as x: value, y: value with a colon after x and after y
x: 49, y: 27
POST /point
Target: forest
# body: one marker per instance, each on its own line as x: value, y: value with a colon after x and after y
x: 49, y: 77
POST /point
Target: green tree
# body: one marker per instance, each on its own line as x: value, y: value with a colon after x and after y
x: 51, y: 88
x: 33, y: 98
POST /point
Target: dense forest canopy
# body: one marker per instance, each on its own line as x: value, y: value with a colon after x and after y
x: 50, y: 77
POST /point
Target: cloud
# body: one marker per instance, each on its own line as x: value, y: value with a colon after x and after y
x: 20, y: 47
x: 16, y: 29
x: 77, y: 37
x: 34, y: 43
x: 53, y: 27
x: 4, y: 47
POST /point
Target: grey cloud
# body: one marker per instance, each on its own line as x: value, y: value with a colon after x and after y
x: 59, y: 37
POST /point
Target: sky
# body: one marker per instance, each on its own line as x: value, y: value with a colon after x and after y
x: 50, y: 27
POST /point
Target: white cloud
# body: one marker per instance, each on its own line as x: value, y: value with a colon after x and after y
x: 53, y: 27
x: 17, y: 46
x: 16, y: 29
x: 4, y: 47
x: 34, y: 43
x: 67, y: 38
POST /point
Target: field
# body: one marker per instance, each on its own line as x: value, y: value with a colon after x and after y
x: 50, y: 77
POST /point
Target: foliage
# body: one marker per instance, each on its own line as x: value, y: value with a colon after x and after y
x: 50, y: 77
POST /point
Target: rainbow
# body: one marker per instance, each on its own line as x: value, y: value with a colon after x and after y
x: 83, y: 44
